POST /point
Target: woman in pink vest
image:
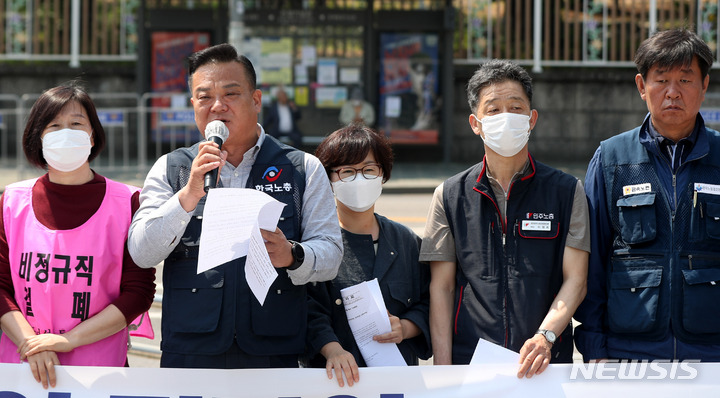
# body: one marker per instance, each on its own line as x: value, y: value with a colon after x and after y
x: 68, y: 287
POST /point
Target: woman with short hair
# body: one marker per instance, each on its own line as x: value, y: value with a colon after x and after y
x: 68, y: 286
x: 358, y: 160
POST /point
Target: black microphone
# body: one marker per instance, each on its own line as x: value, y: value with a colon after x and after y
x: 217, y: 132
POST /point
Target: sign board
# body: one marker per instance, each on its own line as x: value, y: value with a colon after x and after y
x: 656, y: 380
x: 184, y: 117
x: 111, y: 117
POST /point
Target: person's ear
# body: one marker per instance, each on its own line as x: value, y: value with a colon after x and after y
x: 533, y: 118
x: 475, y: 125
x: 640, y: 83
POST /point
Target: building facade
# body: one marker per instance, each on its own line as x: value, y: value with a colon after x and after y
x: 411, y: 60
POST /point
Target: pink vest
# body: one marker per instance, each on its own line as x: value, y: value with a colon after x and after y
x: 64, y: 277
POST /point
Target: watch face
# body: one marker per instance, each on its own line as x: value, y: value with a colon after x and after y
x: 298, y: 252
x: 550, y: 335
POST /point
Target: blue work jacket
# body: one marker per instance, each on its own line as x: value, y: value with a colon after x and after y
x: 654, y: 268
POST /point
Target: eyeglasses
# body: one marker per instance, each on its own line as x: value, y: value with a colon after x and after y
x: 347, y: 174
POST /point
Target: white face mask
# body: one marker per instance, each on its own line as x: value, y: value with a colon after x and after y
x: 359, y: 194
x: 505, y: 133
x: 66, y: 150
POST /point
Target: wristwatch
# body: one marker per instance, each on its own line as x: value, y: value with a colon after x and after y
x: 298, y: 254
x: 549, y: 335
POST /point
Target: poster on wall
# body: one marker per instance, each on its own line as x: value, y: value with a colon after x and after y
x: 174, y: 121
x: 327, y: 69
x: 309, y: 55
x: 330, y: 97
x: 252, y: 49
x: 275, y: 61
x: 409, y: 87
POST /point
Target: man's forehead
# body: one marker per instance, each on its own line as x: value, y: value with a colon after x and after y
x: 210, y: 85
x: 224, y: 74
x: 504, y: 90
x: 489, y: 97
x: 495, y: 97
x: 683, y: 67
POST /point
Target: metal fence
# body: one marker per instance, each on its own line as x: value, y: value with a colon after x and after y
x: 69, y: 30
x: 139, y: 129
x: 574, y: 32
x: 537, y: 32
x: 10, y: 122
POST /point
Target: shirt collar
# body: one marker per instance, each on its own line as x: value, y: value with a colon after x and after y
x: 524, y: 172
x: 253, y: 152
x: 661, y: 140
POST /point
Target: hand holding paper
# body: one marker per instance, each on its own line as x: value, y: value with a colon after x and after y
x: 232, y: 219
x: 396, y: 333
x: 278, y: 247
x: 367, y: 317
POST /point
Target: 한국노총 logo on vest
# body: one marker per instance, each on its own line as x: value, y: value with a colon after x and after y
x: 275, y: 179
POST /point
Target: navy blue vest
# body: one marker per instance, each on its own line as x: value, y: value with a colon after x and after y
x: 202, y: 314
x: 664, y: 271
x: 508, y: 271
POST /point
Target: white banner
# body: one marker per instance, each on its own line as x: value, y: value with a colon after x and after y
x: 677, y: 379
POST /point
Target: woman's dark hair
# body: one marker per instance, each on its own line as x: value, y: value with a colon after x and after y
x: 46, y: 108
x: 351, y: 144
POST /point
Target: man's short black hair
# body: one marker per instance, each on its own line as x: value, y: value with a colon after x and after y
x: 673, y: 48
x: 493, y: 72
x: 220, y: 53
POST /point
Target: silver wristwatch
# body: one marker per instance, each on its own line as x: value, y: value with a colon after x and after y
x: 549, y: 335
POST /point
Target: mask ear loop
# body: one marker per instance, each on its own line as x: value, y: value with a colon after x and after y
x: 477, y: 122
x: 477, y: 129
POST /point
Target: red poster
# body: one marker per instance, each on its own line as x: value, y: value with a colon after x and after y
x: 409, y: 87
x: 169, y: 74
x: 169, y: 52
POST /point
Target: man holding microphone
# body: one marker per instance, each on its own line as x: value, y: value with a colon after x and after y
x: 211, y: 319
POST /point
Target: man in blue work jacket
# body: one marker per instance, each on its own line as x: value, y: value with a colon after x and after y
x: 654, y: 195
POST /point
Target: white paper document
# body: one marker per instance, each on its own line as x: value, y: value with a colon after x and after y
x: 232, y: 219
x: 488, y: 353
x: 368, y: 317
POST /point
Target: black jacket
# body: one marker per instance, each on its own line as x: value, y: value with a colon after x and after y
x: 271, y: 124
x: 404, y: 283
x: 508, y: 270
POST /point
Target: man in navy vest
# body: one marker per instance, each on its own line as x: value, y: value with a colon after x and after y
x: 507, y: 240
x: 211, y: 319
x: 654, y: 195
